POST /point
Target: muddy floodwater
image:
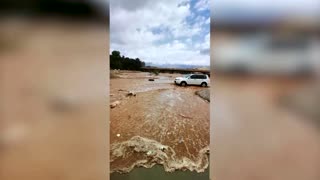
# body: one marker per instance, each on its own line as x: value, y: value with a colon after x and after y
x: 157, y: 122
x: 157, y: 173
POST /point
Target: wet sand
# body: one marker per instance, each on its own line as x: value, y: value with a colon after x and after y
x: 163, y: 124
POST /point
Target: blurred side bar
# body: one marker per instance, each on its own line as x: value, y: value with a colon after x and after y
x: 54, y: 62
x: 265, y: 72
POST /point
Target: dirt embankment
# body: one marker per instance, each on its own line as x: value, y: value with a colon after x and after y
x: 204, y: 94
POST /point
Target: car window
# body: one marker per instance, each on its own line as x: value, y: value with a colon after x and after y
x: 193, y: 77
x: 202, y: 77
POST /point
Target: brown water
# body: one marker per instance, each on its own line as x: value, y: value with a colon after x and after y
x: 163, y: 124
x: 157, y: 173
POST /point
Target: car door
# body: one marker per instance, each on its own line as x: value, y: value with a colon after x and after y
x: 192, y: 80
x: 201, y: 79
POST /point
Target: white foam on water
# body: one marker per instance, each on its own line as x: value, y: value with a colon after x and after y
x: 155, y: 153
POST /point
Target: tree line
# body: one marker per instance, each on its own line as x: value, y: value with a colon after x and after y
x: 124, y: 63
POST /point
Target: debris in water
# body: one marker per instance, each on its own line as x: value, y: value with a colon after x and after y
x: 162, y: 148
x: 149, y: 153
x: 185, y: 116
x: 131, y: 94
x: 118, y: 135
x: 114, y: 104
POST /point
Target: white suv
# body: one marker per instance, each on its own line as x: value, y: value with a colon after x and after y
x: 193, y: 79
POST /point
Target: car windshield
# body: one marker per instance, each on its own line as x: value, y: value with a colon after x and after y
x: 187, y: 75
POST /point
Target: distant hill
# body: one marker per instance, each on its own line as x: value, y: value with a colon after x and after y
x: 178, y: 66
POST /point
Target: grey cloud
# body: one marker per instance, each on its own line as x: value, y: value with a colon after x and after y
x: 184, y: 3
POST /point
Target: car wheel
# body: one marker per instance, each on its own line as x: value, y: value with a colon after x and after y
x: 203, y: 84
x: 183, y: 84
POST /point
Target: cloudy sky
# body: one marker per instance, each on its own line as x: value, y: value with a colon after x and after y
x: 161, y: 32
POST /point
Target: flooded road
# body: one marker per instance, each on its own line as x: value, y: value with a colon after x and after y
x: 163, y: 124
